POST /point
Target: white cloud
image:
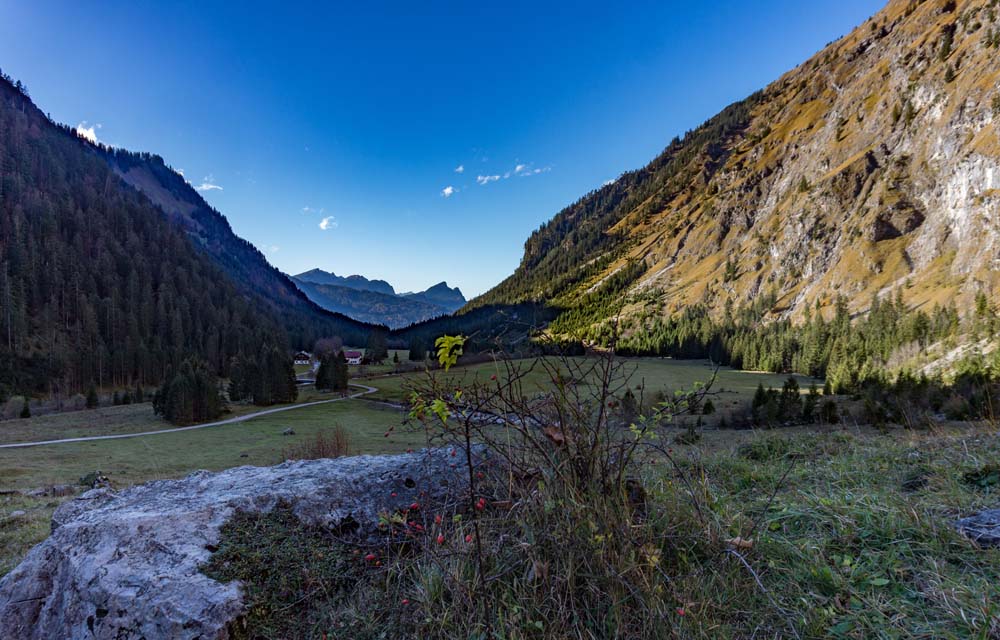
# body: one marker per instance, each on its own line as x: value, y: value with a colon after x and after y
x: 612, y: 181
x: 448, y: 191
x: 486, y: 179
x: 519, y: 168
x: 208, y: 184
x: 320, y: 211
x: 88, y: 133
x: 328, y: 223
x: 460, y: 168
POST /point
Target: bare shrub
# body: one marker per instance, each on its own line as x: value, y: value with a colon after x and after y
x: 328, y: 443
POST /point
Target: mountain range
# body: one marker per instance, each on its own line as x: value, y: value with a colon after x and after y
x: 376, y: 301
x: 871, y: 168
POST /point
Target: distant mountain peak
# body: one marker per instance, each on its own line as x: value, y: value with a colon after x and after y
x: 360, y: 283
x: 333, y: 293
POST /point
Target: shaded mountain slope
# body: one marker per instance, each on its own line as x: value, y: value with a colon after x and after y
x: 376, y: 301
x: 96, y: 286
x: 359, y: 283
x: 370, y: 306
x: 209, y: 230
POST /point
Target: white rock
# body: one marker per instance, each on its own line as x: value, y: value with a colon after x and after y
x: 124, y: 565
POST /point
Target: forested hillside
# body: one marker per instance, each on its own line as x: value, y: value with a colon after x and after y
x: 99, y: 287
x: 272, y: 291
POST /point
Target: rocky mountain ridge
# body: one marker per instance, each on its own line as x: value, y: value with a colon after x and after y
x: 376, y: 301
x: 872, y: 167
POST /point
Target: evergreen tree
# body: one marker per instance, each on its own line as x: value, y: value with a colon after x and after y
x: 325, y: 373
x: 92, y: 400
x: 810, y: 404
x: 418, y: 351
x: 341, y: 373
x: 377, y: 350
x: 190, y: 394
x: 790, y: 403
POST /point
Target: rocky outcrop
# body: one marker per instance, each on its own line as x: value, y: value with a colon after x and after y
x: 983, y: 528
x: 125, y: 565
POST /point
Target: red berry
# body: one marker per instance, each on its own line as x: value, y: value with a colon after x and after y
x: 415, y: 506
x: 405, y: 602
x: 453, y: 452
x: 437, y: 519
x: 440, y: 538
x: 468, y: 538
x: 481, y: 504
x: 680, y: 611
x: 370, y: 557
x: 493, y: 377
x: 393, y: 494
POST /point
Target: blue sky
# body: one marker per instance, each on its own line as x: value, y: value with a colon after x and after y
x: 361, y: 116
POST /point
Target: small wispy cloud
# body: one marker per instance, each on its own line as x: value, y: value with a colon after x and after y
x: 448, y: 191
x: 88, y: 133
x: 208, y: 184
x: 536, y: 171
x: 520, y: 169
x: 307, y: 210
x: 460, y: 168
x: 328, y: 223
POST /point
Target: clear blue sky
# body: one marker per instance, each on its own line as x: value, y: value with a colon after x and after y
x: 360, y: 115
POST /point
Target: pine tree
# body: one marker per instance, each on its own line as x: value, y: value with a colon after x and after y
x: 810, y: 404
x: 418, y: 351
x: 341, y: 373
x: 325, y: 373
x: 92, y: 400
x: 189, y: 394
x: 377, y: 350
x: 789, y: 403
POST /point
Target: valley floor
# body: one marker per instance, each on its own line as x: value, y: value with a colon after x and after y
x: 857, y: 542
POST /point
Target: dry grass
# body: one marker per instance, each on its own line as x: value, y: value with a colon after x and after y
x: 328, y: 443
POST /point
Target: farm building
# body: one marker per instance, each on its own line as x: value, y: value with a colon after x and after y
x: 303, y: 357
x: 353, y: 357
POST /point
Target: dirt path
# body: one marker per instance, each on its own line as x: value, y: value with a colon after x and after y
x: 220, y: 423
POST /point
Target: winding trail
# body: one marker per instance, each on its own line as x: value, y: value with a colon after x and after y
x: 206, y: 425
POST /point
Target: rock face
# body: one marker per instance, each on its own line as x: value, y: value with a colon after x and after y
x: 982, y: 528
x: 124, y: 565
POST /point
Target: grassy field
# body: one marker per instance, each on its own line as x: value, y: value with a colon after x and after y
x: 653, y: 374
x: 257, y: 441
x: 850, y: 536
x: 133, y: 460
x: 132, y: 418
